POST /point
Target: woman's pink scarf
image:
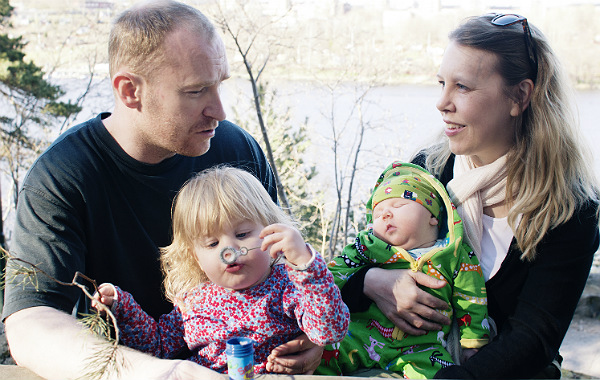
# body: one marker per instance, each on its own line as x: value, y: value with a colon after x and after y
x: 474, y: 188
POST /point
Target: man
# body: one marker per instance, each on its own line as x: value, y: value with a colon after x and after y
x: 98, y: 200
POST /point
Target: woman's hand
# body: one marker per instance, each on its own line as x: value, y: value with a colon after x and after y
x: 398, y: 296
x: 298, y: 356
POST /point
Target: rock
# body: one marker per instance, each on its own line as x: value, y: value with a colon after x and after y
x: 589, y: 304
x: 5, y: 357
x: 581, y: 347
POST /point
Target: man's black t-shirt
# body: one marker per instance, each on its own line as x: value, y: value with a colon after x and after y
x: 87, y: 206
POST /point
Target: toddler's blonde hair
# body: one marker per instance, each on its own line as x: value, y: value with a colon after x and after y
x: 206, y: 205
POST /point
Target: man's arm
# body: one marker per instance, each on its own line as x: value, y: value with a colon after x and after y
x: 55, y: 346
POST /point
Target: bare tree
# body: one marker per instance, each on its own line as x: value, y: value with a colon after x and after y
x: 245, y: 34
x: 346, y: 157
x: 362, y: 128
x: 258, y: 39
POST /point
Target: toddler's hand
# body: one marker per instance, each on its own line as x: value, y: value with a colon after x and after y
x: 105, y: 295
x: 280, y: 238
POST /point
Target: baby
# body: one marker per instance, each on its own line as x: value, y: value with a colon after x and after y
x: 405, y: 214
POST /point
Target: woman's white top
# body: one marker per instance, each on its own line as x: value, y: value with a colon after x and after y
x: 495, y: 242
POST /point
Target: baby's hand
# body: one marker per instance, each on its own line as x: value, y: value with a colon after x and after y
x: 280, y: 238
x: 105, y: 295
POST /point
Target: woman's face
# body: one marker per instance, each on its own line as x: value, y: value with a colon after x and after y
x: 478, y: 114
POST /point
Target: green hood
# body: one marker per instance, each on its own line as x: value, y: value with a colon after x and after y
x: 451, y: 224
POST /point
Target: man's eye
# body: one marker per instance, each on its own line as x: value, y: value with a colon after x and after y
x: 196, y: 92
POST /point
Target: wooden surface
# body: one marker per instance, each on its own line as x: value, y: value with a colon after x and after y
x: 13, y: 372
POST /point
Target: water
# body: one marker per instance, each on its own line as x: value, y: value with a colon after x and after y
x: 401, y: 120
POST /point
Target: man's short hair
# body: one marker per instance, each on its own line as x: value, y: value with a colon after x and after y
x: 137, y: 36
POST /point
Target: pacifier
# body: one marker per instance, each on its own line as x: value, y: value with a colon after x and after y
x: 229, y: 255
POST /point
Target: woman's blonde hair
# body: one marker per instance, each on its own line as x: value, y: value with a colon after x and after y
x: 205, y: 206
x: 549, y: 167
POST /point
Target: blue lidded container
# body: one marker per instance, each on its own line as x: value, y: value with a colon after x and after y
x: 240, y: 358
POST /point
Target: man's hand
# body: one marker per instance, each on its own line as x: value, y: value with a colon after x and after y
x: 398, y: 296
x: 298, y: 356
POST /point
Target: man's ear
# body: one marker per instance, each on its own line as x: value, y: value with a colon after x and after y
x: 128, y: 88
x: 523, y: 94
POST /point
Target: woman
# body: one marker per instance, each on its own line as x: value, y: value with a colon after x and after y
x: 521, y: 180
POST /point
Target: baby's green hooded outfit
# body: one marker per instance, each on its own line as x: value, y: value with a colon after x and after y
x: 372, y: 339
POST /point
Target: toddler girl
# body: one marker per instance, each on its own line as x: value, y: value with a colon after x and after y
x: 219, y: 274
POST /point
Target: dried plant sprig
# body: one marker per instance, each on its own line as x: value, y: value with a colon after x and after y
x: 29, y: 271
x: 107, y: 357
x: 20, y: 274
x: 101, y: 309
x: 97, y: 324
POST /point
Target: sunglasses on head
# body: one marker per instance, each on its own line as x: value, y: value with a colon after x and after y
x: 511, y: 19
